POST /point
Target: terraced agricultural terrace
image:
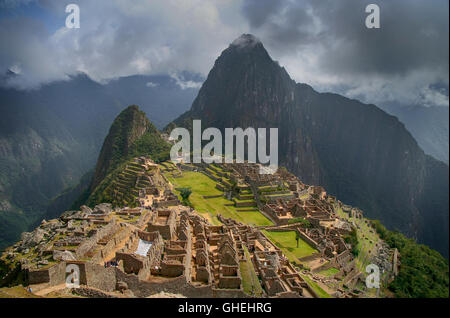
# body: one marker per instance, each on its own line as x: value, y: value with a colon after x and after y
x: 238, y: 234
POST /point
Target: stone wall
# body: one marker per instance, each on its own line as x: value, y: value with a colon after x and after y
x: 172, y: 269
x: 307, y: 239
x: 91, y: 293
x: 38, y: 276
x: 97, y: 276
x: 343, y: 258
x: 325, y: 266
x: 131, y: 263
x: 91, y: 242
x: 166, y: 230
x: 177, y: 285
x: 54, y: 275
x: 109, y: 248
x: 245, y: 204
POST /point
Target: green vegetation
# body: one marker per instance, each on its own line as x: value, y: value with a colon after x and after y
x: 367, y: 239
x: 250, y: 281
x: 268, y: 189
x: 124, y: 142
x: 319, y: 290
x: 123, y: 178
x: 202, y: 185
x: 151, y: 144
x: 185, y: 193
x: 287, y: 242
x: 120, y: 138
x: 303, y: 221
x: 424, y: 273
x: 352, y: 238
x: 101, y: 193
x: 12, y: 223
x: 329, y: 272
x: 16, y: 277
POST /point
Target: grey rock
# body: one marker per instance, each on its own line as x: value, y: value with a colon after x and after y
x: 63, y: 256
x: 31, y: 239
x: 121, y: 286
x: 86, y: 209
x: 103, y: 208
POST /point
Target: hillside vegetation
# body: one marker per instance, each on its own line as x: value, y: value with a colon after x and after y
x: 424, y: 273
x: 131, y: 135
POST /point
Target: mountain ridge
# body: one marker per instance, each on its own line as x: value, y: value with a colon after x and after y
x: 51, y: 136
x: 357, y: 151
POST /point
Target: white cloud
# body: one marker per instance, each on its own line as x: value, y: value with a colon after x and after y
x: 311, y: 39
x: 184, y: 84
x: 326, y: 44
x: 120, y: 38
x: 151, y: 84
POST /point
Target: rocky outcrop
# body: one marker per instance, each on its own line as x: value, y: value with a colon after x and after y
x: 103, y: 208
x: 63, y: 256
x: 32, y: 239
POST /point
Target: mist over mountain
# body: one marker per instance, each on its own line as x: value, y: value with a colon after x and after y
x: 428, y: 125
x: 358, y: 152
x: 51, y: 136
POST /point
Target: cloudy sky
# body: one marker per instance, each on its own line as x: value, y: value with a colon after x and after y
x: 320, y: 42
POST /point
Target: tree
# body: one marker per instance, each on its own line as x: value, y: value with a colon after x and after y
x: 297, y: 237
x: 185, y: 193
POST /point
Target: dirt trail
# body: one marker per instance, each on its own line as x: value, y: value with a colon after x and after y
x: 49, y: 289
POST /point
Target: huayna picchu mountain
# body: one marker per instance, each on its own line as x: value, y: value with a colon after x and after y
x: 131, y: 135
x: 128, y: 127
x: 357, y: 151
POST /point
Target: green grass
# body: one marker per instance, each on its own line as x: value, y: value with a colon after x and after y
x: 319, y: 290
x: 250, y: 281
x: 329, y: 272
x: 268, y: 189
x: 245, y: 200
x: 364, y: 245
x: 278, y: 195
x: 202, y: 185
x: 288, y: 244
x: 305, y: 196
x: 217, y: 168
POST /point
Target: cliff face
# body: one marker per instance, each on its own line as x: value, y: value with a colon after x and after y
x: 428, y: 125
x: 357, y: 151
x: 127, y: 128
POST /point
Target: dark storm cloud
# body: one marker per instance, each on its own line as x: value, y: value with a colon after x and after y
x: 321, y: 42
x: 413, y: 33
x: 326, y: 42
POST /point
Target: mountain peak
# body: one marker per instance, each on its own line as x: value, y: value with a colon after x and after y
x: 129, y: 126
x: 246, y: 41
